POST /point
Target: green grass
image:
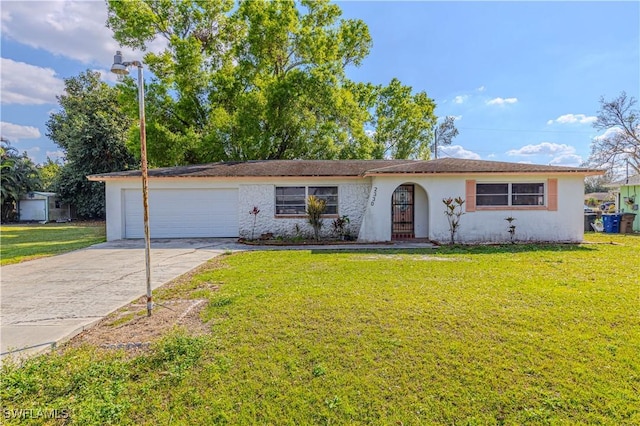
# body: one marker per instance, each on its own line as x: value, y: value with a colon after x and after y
x: 524, y: 334
x: 26, y: 242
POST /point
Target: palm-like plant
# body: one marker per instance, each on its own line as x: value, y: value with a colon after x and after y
x: 18, y: 175
x: 315, y: 209
x: 453, y: 211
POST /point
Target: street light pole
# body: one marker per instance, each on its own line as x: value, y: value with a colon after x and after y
x: 121, y: 68
x: 435, y: 143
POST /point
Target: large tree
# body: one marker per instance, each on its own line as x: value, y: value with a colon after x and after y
x: 18, y: 176
x: 403, y: 122
x: 91, y: 129
x: 598, y: 183
x: 620, y: 144
x: 264, y: 80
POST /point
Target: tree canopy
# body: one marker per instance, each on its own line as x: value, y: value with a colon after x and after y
x: 91, y: 128
x: 49, y: 174
x: 597, y: 183
x: 264, y: 80
x: 620, y: 144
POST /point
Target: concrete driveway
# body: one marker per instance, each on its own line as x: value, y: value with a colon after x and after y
x: 46, y: 301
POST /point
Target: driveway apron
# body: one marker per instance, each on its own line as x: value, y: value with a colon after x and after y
x: 47, y: 301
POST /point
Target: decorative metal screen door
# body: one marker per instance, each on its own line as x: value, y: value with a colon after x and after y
x: 402, y: 213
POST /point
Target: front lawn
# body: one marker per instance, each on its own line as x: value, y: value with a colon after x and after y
x: 25, y: 242
x: 520, y: 334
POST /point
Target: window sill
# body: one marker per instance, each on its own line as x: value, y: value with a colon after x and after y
x: 497, y: 208
x: 304, y: 216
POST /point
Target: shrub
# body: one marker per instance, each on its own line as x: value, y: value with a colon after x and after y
x: 453, y: 211
x: 255, y: 211
x: 511, y: 229
x: 341, y: 226
x: 315, y: 208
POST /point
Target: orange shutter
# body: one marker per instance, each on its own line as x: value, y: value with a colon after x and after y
x: 552, y: 196
x: 470, y: 195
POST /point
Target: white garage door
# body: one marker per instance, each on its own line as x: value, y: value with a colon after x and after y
x: 32, y: 209
x: 183, y: 213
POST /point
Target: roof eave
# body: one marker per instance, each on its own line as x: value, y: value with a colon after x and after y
x: 508, y: 173
x: 103, y: 178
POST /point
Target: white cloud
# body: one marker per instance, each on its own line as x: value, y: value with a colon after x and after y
x: 107, y: 76
x: 460, y: 99
x: 75, y: 29
x: 457, y: 117
x: 26, y: 84
x: 569, y: 160
x: 502, y: 101
x: 544, y: 148
x: 574, y: 118
x: 70, y: 28
x: 563, y: 155
x: 481, y: 89
x: 609, y: 133
x: 15, y: 132
x: 457, y: 151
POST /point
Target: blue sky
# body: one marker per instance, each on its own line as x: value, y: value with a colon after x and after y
x: 523, y: 79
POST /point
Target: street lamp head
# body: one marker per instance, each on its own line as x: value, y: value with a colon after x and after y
x: 118, y: 66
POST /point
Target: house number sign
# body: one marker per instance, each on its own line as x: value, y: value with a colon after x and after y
x: 373, y: 195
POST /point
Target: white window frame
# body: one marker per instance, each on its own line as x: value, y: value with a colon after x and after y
x: 541, y: 196
x: 306, y: 197
x: 510, y: 194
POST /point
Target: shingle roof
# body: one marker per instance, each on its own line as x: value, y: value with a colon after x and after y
x: 342, y: 168
x: 597, y: 195
x: 265, y: 168
x: 459, y: 165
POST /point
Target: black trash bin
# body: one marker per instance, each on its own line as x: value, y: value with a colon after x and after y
x: 589, y: 218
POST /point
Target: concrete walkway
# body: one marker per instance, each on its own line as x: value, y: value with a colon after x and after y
x: 45, y: 302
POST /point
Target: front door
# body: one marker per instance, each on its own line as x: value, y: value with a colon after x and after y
x: 402, y: 213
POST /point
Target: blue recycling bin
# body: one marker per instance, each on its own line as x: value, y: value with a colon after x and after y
x: 611, y: 223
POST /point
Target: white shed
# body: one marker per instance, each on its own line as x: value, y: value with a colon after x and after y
x: 40, y: 206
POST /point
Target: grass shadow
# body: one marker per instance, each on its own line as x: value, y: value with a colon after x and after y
x: 514, y: 248
x: 467, y: 249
